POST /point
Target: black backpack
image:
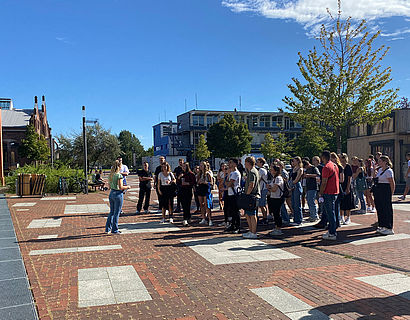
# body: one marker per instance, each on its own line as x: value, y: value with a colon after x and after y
x: 286, y: 189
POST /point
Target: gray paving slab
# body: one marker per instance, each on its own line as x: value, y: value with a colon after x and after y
x: 16, y: 299
x: 22, y: 312
x: 12, y: 269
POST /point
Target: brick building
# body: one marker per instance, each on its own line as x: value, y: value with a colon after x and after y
x: 14, y: 125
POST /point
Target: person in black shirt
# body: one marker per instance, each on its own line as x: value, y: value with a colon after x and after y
x: 146, y: 178
x: 177, y: 173
x: 157, y: 172
x: 311, y: 174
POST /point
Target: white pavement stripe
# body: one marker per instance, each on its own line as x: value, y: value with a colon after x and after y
x: 86, y: 208
x: 132, y: 198
x: 396, y: 283
x: 59, y: 198
x: 48, y: 236
x: 22, y: 209
x: 25, y: 204
x: 45, y: 223
x: 288, y: 304
x: 146, y: 227
x: 408, y: 221
x: 106, y: 199
x: 401, y: 206
x: 227, y: 250
x: 379, y: 238
x: 74, y: 249
x: 111, y: 285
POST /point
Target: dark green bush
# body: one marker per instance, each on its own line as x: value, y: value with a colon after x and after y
x: 53, y: 175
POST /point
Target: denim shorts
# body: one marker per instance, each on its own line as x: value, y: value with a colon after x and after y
x: 262, y: 200
x: 251, y: 212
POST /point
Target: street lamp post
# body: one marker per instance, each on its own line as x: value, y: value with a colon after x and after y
x: 85, y: 153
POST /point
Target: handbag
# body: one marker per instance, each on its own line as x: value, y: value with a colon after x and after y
x: 246, y: 201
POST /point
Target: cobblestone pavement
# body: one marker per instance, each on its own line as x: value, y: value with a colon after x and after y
x: 154, y: 271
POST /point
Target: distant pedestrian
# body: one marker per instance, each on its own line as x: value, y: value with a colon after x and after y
x: 383, y: 192
x: 251, y: 188
x: 198, y: 206
x: 407, y: 175
x: 283, y: 211
x: 205, y: 182
x: 263, y: 186
x: 360, y: 183
x: 166, y: 190
x: 276, y: 200
x: 188, y: 181
x: 116, y: 198
x: 177, y: 172
x: 220, y: 183
x: 296, y: 184
x: 336, y: 160
x: 329, y: 189
x: 158, y: 170
x: 124, y: 170
x: 347, y: 201
x: 311, y: 174
x: 146, y: 178
x: 369, y: 173
x: 233, y: 185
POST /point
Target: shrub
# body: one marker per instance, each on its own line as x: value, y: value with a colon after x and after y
x: 53, y: 175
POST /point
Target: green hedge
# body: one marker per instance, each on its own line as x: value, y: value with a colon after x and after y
x: 53, y: 175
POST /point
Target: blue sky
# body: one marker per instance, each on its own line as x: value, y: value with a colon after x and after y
x: 133, y: 63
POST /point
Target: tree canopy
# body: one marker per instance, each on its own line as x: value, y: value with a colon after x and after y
x: 201, y: 151
x: 268, y: 148
x: 228, y: 138
x: 344, y: 83
x: 33, y: 146
x: 130, y: 145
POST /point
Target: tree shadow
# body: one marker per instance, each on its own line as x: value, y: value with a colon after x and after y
x: 368, y: 308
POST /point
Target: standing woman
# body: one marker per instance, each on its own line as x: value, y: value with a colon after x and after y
x: 369, y: 173
x: 275, y: 200
x: 166, y: 190
x: 335, y: 159
x: 116, y: 198
x: 188, y: 181
x: 220, y: 181
x: 347, y: 201
x: 296, y: 177
x: 361, y: 184
x: 203, y: 191
x: 383, y: 192
x: 198, y: 207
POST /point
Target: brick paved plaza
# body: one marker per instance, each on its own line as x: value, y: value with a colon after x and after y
x: 155, y: 271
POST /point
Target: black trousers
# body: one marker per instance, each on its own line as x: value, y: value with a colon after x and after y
x: 382, y: 200
x: 186, y: 199
x: 233, y: 211
x: 196, y: 200
x: 179, y: 196
x: 226, y: 213
x: 144, y: 193
x: 274, y: 205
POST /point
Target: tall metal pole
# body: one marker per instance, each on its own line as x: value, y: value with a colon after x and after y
x: 85, y: 153
x: 1, y: 153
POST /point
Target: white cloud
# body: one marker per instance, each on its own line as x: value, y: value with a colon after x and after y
x: 396, y: 33
x: 312, y: 13
x: 64, y: 40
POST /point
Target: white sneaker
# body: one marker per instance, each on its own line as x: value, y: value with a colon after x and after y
x: 171, y: 220
x: 210, y: 223
x: 387, y: 232
x: 222, y: 224
x: 246, y: 234
x: 203, y: 221
x: 162, y: 221
x: 369, y: 209
x: 347, y: 221
x: 250, y: 235
x: 342, y: 221
x: 328, y: 236
x: 185, y: 223
x: 402, y: 198
x: 276, y: 232
x: 373, y: 210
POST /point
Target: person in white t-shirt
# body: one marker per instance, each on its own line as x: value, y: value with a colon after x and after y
x: 407, y: 175
x: 275, y: 200
x: 383, y: 192
x: 263, y: 185
x: 233, y: 184
x: 124, y: 171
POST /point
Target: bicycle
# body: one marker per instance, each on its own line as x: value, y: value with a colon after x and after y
x: 79, y: 185
x: 62, y: 186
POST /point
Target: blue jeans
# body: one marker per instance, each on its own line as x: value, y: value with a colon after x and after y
x: 360, y: 196
x: 297, y: 203
x: 116, y: 199
x: 329, y: 210
x: 284, y: 213
x: 311, y: 197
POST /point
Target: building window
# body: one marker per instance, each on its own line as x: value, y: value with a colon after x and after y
x: 287, y: 123
x: 198, y: 120
x: 265, y: 121
x: 196, y: 137
x: 254, y: 121
x: 210, y: 120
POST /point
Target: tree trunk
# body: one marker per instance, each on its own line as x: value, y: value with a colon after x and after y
x: 338, y: 134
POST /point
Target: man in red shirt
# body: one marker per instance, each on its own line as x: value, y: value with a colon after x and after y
x: 329, y: 189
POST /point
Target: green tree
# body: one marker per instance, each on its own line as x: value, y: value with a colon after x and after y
x: 311, y: 142
x: 130, y: 145
x: 345, y: 83
x: 103, y: 147
x: 201, y: 151
x: 149, y: 152
x: 284, y: 146
x: 268, y: 148
x: 33, y: 146
x: 228, y: 138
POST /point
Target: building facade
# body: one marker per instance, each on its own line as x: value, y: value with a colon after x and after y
x: 390, y: 137
x: 191, y: 124
x: 164, y: 133
x: 6, y: 104
x: 14, y: 126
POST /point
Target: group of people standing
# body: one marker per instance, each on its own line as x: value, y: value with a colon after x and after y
x: 329, y: 184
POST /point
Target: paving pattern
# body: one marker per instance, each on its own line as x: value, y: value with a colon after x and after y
x: 167, y: 271
x: 45, y: 223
